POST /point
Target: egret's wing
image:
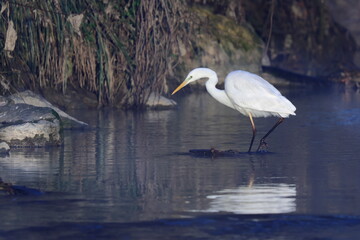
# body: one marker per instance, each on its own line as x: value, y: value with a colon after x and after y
x: 251, y: 93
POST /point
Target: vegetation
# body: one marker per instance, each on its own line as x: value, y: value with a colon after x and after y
x: 121, y: 50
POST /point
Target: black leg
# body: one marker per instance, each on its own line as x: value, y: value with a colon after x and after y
x: 253, y: 130
x: 262, y: 141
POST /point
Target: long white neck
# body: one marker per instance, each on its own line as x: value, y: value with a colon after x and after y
x: 216, y: 93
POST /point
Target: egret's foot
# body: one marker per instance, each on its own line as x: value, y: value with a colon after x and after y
x: 263, y: 147
x: 214, y: 152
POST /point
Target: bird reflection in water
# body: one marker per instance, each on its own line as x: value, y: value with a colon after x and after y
x: 255, y: 198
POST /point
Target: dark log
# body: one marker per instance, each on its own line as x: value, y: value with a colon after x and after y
x: 215, y: 153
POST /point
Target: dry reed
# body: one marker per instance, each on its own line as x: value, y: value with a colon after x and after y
x: 121, y: 50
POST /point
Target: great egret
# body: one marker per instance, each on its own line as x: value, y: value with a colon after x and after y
x: 247, y: 93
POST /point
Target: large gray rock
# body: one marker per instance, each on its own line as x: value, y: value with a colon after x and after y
x: 28, y: 97
x: 23, y: 125
x: 304, y: 38
x: 220, y: 43
x: 156, y: 101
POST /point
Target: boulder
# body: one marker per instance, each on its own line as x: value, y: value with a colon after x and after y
x: 23, y: 125
x: 157, y: 101
x: 222, y: 44
x: 30, y: 98
x: 304, y: 39
x: 347, y: 14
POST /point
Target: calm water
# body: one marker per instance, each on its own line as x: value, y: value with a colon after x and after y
x: 135, y: 166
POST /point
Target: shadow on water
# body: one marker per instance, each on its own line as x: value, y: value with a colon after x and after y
x: 133, y: 169
x: 203, y: 227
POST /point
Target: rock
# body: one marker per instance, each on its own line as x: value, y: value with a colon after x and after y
x: 222, y: 45
x: 347, y: 13
x: 158, y: 101
x: 24, y: 125
x: 13, y: 114
x: 28, y: 97
x: 39, y: 134
x: 4, y: 148
x: 304, y: 37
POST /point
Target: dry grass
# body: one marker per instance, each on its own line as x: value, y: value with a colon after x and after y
x: 159, y: 23
x: 120, y: 50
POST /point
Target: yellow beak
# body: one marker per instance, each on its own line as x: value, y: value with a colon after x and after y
x: 183, y: 84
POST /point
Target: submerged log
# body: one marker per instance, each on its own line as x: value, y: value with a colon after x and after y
x: 214, y: 153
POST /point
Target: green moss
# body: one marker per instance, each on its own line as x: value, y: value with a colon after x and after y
x: 227, y: 32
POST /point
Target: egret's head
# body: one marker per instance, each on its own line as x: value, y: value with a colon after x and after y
x: 194, y: 75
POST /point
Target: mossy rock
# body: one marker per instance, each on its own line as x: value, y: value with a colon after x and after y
x: 227, y: 32
x: 221, y: 44
x: 24, y: 125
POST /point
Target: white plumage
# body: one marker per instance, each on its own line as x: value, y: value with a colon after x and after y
x: 250, y: 93
x: 247, y: 93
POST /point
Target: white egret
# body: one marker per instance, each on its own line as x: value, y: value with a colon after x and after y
x: 247, y: 93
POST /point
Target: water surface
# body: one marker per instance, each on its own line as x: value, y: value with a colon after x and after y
x: 135, y: 166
